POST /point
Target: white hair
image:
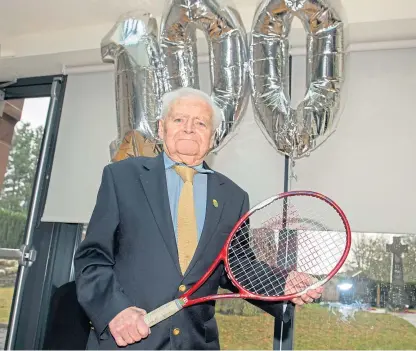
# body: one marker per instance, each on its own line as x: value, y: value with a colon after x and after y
x: 172, y: 96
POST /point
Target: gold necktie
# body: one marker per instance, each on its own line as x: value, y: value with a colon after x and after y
x: 187, y: 227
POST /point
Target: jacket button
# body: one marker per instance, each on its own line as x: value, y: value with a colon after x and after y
x: 176, y: 331
x: 182, y: 288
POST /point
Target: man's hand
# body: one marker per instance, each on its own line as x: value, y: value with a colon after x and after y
x: 296, y: 282
x: 129, y: 327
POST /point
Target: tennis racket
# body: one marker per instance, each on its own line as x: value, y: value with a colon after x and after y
x: 280, y: 249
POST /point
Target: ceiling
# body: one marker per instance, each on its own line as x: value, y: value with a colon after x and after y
x: 38, y: 16
x: 40, y: 37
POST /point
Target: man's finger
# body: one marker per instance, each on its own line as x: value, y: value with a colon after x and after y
x: 313, y: 294
x: 142, y: 328
x: 141, y: 311
x: 120, y: 341
x: 307, y: 299
x: 126, y: 336
x: 134, y: 333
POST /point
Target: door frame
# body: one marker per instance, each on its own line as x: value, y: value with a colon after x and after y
x: 53, y: 87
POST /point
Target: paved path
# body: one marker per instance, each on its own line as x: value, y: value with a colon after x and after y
x: 410, y: 317
x: 3, y: 332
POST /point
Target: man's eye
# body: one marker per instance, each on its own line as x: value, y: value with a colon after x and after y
x: 177, y: 120
x: 202, y: 124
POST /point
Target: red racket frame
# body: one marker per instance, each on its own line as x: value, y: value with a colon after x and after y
x: 223, y: 257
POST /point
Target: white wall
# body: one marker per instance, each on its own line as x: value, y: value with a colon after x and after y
x: 367, y: 166
x: 87, y: 127
x: 88, y: 124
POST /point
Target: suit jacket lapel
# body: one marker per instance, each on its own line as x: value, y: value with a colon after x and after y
x: 212, y: 216
x: 153, y: 179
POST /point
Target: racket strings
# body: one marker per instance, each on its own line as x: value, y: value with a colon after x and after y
x: 264, y: 257
x: 254, y: 273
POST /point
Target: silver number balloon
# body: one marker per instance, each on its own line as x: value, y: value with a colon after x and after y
x: 228, y: 55
x: 132, y: 46
x: 297, y: 132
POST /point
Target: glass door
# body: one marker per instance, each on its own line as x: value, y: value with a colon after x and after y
x: 24, y: 139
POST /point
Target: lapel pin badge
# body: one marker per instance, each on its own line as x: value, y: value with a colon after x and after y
x: 215, y: 203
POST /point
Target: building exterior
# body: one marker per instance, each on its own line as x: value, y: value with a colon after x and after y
x: 10, y: 114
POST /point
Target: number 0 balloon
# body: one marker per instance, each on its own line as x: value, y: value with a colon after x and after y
x: 297, y: 132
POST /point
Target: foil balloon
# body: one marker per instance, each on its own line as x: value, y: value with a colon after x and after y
x: 297, y: 132
x: 228, y: 56
x: 132, y: 46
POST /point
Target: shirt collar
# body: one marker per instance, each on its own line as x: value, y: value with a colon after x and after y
x: 169, y: 163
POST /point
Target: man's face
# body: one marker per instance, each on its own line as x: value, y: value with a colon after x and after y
x: 187, y: 130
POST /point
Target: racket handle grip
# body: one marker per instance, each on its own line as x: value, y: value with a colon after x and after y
x: 163, y: 312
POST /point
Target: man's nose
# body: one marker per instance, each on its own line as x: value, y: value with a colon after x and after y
x: 189, y: 126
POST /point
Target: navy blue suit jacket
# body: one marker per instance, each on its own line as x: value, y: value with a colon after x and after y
x: 129, y: 256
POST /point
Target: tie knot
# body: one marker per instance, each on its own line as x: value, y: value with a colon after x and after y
x: 186, y: 173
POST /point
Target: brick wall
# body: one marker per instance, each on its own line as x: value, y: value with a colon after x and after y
x: 10, y: 116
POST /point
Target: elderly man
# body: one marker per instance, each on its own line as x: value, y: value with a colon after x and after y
x: 154, y: 231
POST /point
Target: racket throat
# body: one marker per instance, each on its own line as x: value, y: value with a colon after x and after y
x: 212, y: 298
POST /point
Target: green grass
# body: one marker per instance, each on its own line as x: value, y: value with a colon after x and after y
x: 6, y: 296
x: 315, y: 329
x: 318, y: 329
x: 245, y: 333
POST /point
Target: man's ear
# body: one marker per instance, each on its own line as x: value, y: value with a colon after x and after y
x: 211, y: 142
x: 161, y: 129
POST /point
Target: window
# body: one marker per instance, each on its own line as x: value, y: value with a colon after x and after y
x: 370, y: 305
x: 21, y: 126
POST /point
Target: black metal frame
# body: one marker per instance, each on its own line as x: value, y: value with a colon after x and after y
x: 54, y: 243
x: 283, y: 332
x: 30, y: 88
